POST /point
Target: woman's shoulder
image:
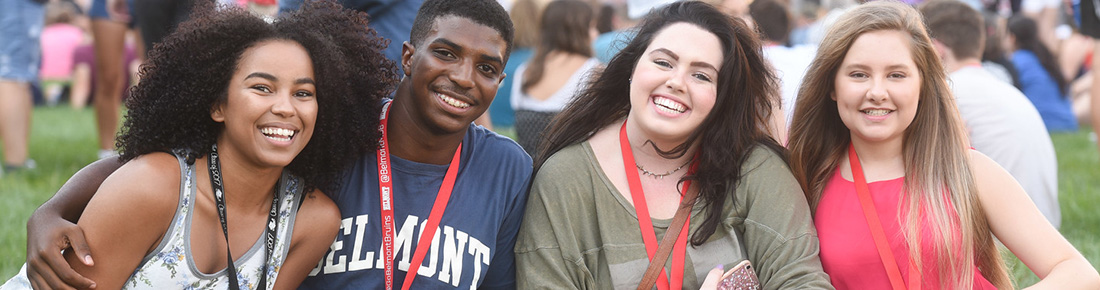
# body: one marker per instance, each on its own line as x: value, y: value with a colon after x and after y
x: 572, y: 158
x: 318, y: 217
x: 1025, y: 58
x: 148, y: 173
x: 572, y: 152
x: 762, y: 157
x: 146, y: 188
x: 766, y: 177
x: 987, y: 173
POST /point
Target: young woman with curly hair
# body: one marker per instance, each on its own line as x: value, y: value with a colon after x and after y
x: 234, y: 131
x: 681, y: 110
x: 899, y: 201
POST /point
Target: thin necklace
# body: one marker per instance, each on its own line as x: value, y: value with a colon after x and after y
x: 660, y: 175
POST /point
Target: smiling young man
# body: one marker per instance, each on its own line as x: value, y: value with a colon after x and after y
x: 452, y: 66
x: 440, y: 194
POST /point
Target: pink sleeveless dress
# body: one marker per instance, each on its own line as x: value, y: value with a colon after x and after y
x: 848, y: 253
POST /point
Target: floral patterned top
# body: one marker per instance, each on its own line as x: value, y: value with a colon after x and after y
x: 171, y: 266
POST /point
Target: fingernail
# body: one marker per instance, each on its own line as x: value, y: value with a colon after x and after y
x: 720, y: 267
x: 93, y: 286
x: 88, y: 259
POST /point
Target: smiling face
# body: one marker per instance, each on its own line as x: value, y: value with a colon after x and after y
x: 271, y: 108
x: 454, y: 73
x: 673, y: 87
x: 878, y: 87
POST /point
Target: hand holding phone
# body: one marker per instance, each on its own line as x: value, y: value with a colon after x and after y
x: 740, y: 277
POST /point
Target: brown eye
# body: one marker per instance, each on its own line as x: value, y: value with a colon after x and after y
x: 304, y: 94
x: 262, y: 88
x: 487, y: 69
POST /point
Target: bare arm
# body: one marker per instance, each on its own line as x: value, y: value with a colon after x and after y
x: 315, y: 228
x: 128, y: 216
x: 51, y: 229
x: 81, y: 87
x: 1018, y: 224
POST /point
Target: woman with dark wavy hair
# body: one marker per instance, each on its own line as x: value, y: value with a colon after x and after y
x: 681, y: 110
x: 1041, y: 78
x: 234, y: 131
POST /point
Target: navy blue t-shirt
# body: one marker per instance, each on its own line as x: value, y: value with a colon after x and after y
x: 472, y: 248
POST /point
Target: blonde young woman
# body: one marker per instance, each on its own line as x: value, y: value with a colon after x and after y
x: 875, y: 112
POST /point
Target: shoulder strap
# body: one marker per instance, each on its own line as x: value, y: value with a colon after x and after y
x: 665, y: 247
x: 886, y: 255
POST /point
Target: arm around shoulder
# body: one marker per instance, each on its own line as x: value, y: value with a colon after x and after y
x: 125, y: 219
x: 51, y: 228
x: 315, y: 228
x: 1041, y: 247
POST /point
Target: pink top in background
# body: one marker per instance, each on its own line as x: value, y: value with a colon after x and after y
x: 848, y: 253
x: 59, y: 41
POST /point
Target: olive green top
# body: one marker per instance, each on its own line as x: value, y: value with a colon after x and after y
x: 580, y: 233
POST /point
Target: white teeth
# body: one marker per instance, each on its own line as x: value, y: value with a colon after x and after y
x: 278, y: 133
x: 877, y: 112
x: 452, y: 101
x: 669, y: 105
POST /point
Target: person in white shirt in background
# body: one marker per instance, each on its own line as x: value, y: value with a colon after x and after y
x: 773, y: 21
x: 1002, y: 123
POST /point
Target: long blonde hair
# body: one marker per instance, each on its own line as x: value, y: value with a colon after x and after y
x: 938, y: 181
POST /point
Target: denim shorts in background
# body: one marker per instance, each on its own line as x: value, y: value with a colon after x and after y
x: 20, y: 30
x: 99, y: 11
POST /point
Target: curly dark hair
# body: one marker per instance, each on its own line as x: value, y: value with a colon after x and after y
x: 188, y: 74
x: 747, y: 93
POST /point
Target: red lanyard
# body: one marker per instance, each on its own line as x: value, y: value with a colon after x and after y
x: 679, y: 249
x: 884, y: 252
x: 385, y: 192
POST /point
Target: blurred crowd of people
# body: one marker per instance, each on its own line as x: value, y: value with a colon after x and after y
x: 951, y: 105
x: 52, y: 52
x: 1035, y: 47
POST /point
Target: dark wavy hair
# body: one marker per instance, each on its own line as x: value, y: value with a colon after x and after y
x: 747, y: 93
x: 188, y: 74
x: 1027, y: 38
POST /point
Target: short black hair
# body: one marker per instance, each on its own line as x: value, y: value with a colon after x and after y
x: 188, y: 74
x: 484, y: 12
x: 772, y: 20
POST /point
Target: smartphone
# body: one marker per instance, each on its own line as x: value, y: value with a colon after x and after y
x: 740, y: 277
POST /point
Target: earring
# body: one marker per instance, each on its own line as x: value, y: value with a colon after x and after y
x: 629, y: 80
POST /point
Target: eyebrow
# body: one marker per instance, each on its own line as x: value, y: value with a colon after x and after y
x: 459, y: 48
x: 261, y: 75
x: 865, y: 67
x: 272, y: 78
x: 677, y: 57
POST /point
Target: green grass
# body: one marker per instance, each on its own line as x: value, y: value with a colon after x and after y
x: 63, y: 140
x: 1079, y: 196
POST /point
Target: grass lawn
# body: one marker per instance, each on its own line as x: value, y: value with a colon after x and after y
x: 63, y: 141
